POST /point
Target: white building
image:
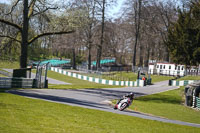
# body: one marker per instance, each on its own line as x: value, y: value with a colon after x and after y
x: 166, y: 69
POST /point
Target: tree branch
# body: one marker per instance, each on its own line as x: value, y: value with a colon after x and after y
x: 11, y: 24
x: 31, y: 8
x: 13, y: 7
x: 48, y: 8
x: 10, y: 37
x: 47, y: 34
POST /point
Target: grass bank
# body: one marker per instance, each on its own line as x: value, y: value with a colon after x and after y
x: 23, y: 115
x: 129, y: 76
x: 2, y: 75
x: 9, y: 64
x: 159, y: 78
x: 167, y: 104
x: 75, y: 83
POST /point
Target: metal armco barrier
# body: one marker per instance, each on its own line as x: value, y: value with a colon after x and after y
x: 198, y: 102
x: 181, y: 83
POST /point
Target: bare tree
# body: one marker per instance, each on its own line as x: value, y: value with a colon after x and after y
x: 137, y: 9
x: 167, y: 14
x: 90, y: 8
x: 99, y: 46
x: 133, y: 14
x: 30, y: 10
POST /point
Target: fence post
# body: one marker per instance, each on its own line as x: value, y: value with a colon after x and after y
x: 45, y: 79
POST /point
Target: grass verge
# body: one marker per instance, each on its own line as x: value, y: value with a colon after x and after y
x: 75, y: 83
x: 159, y: 78
x: 21, y: 115
x: 9, y: 64
x: 167, y: 104
x: 2, y: 75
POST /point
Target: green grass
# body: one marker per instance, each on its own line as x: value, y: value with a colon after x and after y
x: 75, y: 83
x: 118, y: 76
x: 9, y: 64
x: 23, y: 115
x: 190, y: 78
x: 167, y: 104
x: 159, y: 78
x: 2, y: 75
x: 127, y: 76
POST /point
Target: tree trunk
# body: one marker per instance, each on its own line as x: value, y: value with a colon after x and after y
x: 89, y: 58
x: 137, y: 28
x: 99, y: 50
x: 147, y: 57
x: 24, y: 43
x: 141, y: 55
x: 90, y: 35
x: 167, y: 55
x: 74, y: 59
x: 89, y: 47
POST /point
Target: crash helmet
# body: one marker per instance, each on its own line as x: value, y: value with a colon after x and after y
x: 131, y: 95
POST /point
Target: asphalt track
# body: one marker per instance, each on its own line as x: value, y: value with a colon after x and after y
x: 99, y: 99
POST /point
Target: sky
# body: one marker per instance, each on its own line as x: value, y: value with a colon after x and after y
x: 113, y: 10
x: 116, y: 8
x: 4, y: 1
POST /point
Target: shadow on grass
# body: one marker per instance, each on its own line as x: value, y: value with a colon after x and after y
x: 159, y: 98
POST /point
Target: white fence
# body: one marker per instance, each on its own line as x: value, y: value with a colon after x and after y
x: 99, y: 80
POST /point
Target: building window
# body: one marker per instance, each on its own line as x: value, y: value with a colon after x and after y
x: 157, y: 66
x: 160, y: 66
x: 169, y: 67
x: 182, y: 67
x: 179, y: 68
x: 164, y: 67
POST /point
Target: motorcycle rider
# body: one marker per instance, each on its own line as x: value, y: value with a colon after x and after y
x: 130, y: 95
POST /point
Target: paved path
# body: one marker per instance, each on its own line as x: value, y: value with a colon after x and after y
x: 50, y: 80
x: 98, y: 98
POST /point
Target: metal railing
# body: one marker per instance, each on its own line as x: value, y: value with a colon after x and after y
x: 7, y: 82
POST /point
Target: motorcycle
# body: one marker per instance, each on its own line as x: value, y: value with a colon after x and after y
x: 125, y: 102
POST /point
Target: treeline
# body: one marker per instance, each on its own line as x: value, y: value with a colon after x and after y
x: 83, y: 31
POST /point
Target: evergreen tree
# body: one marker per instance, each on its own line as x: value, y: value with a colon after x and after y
x: 184, y: 36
